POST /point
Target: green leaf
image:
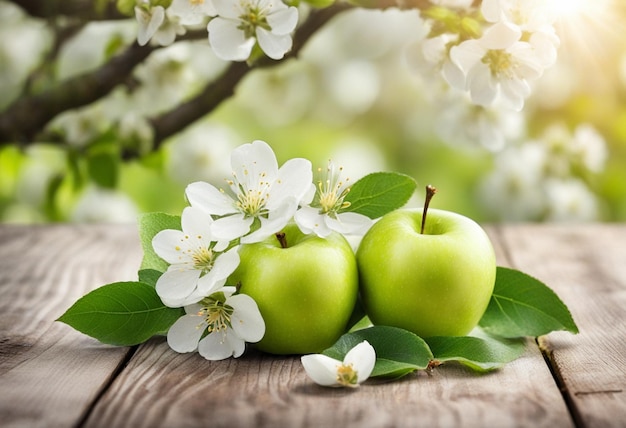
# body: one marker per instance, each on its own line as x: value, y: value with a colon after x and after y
x: 524, y: 306
x: 149, y: 225
x: 478, y: 353
x: 122, y: 313
x: 103, y: 167
x: 149, y: 276
x: 398, y: 351
x: 379, y: 193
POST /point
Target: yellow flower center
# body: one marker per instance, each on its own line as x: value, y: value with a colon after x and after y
x: 253, y: 16
x: 216, y: 314
x: 203, y: 259
x: 500, y: 63
x: 330, y: 191
x: 251, y: 201
x: 347, y: 376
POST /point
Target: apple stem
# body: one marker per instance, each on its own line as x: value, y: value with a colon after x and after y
x: 430, y: 192
x: 282, y: 239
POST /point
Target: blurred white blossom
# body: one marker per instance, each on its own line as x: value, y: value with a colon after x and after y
x: 99, y: 205
x: 199, y: 154
x: 155, y: 24
x: 547, y: 178
x: 461, y: 124
x: 192, y: 12
x: 496, y: 68
x: 454, y: 4
x: 570, y: 200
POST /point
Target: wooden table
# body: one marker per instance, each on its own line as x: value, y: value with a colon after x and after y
x: 51, y: 375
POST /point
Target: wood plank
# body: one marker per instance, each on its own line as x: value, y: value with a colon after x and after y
x: 586, y: 266
x: 49, y: 373
x: 160, y: 388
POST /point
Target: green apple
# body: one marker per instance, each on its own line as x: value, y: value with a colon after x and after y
x: 435, y: 283
x: 306, y: 290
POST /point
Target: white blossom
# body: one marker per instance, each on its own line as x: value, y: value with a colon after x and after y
x: 355, y: 368
x: 230, y: 320
x: 534, y: 18
x: 154, y: 24
x: 198, y: 265
x: 100, y: 205
x: 263, y: 197
x: 323, y: 214
x: 192, y: 12
x: 495, y: 68
x: 240, y: 24
x: 570, y: 200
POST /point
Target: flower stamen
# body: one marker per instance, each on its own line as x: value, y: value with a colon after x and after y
x: 331, y: 191
x: 347, y: 376
x: 216, y: 314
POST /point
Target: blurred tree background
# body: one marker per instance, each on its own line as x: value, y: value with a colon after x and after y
x: 95, y: 128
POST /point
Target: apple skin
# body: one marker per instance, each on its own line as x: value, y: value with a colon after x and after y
x: 434, y: 284
x: 306, y: 292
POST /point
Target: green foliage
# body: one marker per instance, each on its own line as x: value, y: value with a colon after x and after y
x: 480, y: 354
x: 524, y: 306
x: 398, y: 352
x: 149, y: 276
x: 378, y: 193
x: 122, y: 314
x: 149, y: 225
x: 103, y: 165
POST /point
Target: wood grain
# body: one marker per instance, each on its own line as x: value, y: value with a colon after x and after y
x: 586, y: 266
x: 49, y: 373
x: 160, y: 388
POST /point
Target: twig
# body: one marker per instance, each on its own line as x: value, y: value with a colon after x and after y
x: 26, y: 117
x: 217, y: 91
x: 86, y: 10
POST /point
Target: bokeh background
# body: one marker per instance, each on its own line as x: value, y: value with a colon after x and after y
x: 359, y: 94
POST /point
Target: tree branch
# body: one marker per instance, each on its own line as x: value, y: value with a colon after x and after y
x: 86, y: 10
x: 26, y: 117
x: 217, y: 91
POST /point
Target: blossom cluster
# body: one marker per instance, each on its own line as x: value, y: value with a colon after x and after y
x: 493, y: 52
x: 549, y: 177
x: 234, y: 27
x: 260, y: 199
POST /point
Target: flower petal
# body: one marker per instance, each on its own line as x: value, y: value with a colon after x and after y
x: 185, y: 333
x: 197, y: 222
x: 483, y: 89
x: 362, y: 358
x: 349, y: 223
x: 171, y: 246
x: 294, y: 180
x: 277, y: 219
x: 176, y: 286
x: 224, y: 265
x: 209, y: 199
x: 466, y: 55
x: 253, y: 161
x: 321, y: 369
x: 501, y: 35
x: 491, y: 10
x: 228, y: 42
x: 228, y: 8
x: 309, y: 220
x: 246, y: 319
x: 220, y: 345
x: 283, y: 21
x: 231, y: 227
x: 275, y: 46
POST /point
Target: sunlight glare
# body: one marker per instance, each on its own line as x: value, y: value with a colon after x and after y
x: 564, y: 9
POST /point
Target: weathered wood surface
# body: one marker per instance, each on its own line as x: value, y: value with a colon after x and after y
x: 51, y: 375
